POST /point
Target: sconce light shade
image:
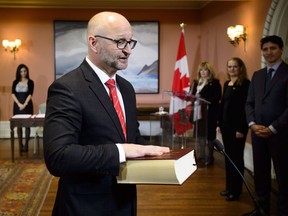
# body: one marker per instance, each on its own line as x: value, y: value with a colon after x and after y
x: 231, y: 32
x: 12, y: 45
x: 236, y: 33
x: 239, y: 29
x: 5, y: 43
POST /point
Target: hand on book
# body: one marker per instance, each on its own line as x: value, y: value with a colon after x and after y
x: 134, y: 150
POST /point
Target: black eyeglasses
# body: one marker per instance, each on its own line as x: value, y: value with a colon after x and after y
x: 121, y: 43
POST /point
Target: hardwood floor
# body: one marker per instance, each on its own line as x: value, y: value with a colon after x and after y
x: 199, y: 195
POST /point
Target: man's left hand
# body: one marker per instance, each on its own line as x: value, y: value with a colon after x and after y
x: 265, y: 132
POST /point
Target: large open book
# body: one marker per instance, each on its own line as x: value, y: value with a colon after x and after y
x: 170, y: 168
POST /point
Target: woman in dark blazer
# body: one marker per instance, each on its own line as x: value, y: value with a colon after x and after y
x: 208, y: 87
x: 233, y: 124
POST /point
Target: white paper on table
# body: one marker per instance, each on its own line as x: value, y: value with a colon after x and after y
x: 21, y: 116
x: 40, y: 115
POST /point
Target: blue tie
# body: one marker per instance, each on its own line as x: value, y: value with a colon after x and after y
x: 268, y: 78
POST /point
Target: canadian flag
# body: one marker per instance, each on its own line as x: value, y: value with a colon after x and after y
x: 180, y: 108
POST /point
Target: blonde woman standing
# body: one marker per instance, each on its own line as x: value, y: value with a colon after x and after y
x: 208, y: 87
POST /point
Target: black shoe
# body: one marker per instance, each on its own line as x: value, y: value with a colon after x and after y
x: 252, y: 213
x: 24, y: 148
x: 209, y: 162
x: 224, y: 193
x: 231, y: 197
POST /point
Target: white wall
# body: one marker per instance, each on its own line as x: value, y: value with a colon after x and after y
x: 5, y: 130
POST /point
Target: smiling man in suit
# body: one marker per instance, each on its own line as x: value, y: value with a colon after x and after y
x: 267, y: 115
x: 85, y: 141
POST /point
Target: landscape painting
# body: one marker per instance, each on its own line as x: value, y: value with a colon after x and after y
x: 143, y: 68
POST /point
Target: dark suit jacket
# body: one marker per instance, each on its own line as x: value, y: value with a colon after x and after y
x: 80, y: 132
x: 232, y: 116
x: 212, y: 93
x: 270, y: 107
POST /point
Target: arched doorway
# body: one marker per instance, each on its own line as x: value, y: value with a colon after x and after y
x: 276, y: 24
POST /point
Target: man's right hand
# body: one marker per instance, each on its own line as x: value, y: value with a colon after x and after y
x: 135, y: 150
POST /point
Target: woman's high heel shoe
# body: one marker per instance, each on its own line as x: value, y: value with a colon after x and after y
x: 224, y: 193
x: 232, y: 197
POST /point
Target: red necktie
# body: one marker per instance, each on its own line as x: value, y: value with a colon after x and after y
x: 113, y: 95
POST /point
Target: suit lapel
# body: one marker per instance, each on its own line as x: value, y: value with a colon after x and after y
x: 260, y: 82
x: 101, y: 93
x: 276, y: 77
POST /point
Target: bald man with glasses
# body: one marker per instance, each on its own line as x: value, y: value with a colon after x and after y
x: 91, y: 126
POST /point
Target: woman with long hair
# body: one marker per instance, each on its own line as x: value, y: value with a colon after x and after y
x: 233, y: 125
x: 208, y: 87
x: 22, y: 91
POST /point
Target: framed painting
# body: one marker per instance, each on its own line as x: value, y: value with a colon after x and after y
x: 143, y: 68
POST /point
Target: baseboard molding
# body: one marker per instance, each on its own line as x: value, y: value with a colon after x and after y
x: 5, y: 129
x: 248, y: 157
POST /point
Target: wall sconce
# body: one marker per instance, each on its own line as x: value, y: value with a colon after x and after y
x: 12, y: 45
x: 236, y: 34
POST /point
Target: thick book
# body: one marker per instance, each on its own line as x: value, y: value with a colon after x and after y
x: 170, y: 168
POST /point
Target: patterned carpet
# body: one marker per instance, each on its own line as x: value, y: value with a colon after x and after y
x: 23, y: 187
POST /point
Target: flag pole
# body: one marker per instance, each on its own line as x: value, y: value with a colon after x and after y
x: 183, y: 136
x: 182, y: 25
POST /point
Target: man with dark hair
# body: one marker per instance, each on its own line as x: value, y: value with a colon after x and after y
x: 273, y: 39
x: 267, y: 116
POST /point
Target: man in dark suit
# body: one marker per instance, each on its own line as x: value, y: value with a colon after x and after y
x: 267, y: 116
x: 84, y: 142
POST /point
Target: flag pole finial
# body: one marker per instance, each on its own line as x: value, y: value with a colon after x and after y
x: 182, y: 25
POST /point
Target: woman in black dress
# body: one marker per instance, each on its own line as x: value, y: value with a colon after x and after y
x: 233, y: 125
x: 208, y: 87
x: 22, y: 91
